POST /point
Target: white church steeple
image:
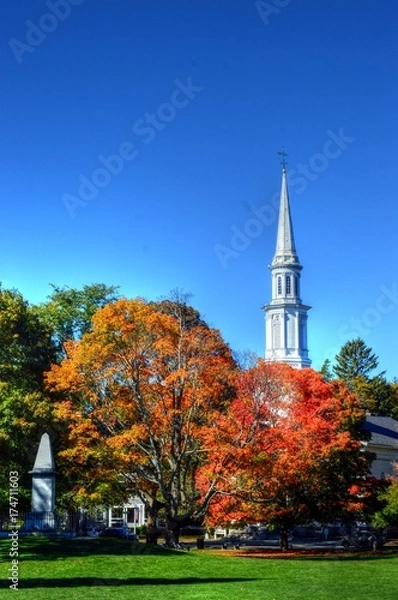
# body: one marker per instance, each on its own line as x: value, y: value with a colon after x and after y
x: 285, y: 247
x: 285, y: 315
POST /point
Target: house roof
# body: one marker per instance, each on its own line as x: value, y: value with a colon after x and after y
x: 384, y: 431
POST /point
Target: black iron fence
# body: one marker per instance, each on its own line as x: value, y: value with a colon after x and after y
x: 62, y: 522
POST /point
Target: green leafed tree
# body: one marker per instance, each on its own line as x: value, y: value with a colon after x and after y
x: 68, y: 311
x: 388, y: 514
x: 26, y: 352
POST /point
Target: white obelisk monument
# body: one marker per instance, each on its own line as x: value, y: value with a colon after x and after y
x: 43, y: 486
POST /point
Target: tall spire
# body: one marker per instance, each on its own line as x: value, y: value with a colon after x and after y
x: 286, y: 315
x: 285, y: 252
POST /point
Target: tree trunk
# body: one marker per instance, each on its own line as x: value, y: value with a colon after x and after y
x: 173, y: 532
x: 152, y: 507
x: 284, y: 536
x: 152, y: 532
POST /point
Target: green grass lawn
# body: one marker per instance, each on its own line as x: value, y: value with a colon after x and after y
x: 108, y: 569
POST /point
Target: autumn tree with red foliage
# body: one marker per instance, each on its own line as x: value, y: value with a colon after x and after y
x: 140, y: 391
x: 288, y: 451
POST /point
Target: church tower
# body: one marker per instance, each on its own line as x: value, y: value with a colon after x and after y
x: 285, y: 315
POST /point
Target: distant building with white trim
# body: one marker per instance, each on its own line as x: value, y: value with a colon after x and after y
x: 384, y: 443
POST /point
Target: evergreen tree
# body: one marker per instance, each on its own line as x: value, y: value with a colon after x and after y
x: 326, y: 370
x: 354, y: 364
x: 355, y: 359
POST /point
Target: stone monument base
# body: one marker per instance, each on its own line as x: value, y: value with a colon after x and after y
x: 41, y: 521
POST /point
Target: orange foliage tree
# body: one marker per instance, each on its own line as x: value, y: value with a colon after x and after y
x: 139, y: 393
x: 288, y: 451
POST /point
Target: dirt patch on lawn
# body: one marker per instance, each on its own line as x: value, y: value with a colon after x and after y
x: 308, y: 553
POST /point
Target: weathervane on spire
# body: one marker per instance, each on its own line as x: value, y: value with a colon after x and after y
x: 283, y: 154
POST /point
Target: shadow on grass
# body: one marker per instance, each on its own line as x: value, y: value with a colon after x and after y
x: 41, y: 548
x: 130, y: 581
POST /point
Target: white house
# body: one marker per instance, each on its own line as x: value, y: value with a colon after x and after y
x: 384, y: 443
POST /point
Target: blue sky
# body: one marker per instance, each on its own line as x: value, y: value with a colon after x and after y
x: 139, y: 148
